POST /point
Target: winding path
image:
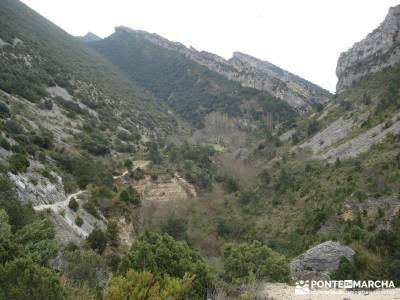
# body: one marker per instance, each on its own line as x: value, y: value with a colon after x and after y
x: 58, y: 205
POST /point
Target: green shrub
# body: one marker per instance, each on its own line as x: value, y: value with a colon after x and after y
x: 18, y: 163
x: 144, y: 283
x: 78, y: 221
x: 91, y: 209
x: 246, y: 262
x: 73, y: 204
x: 124, y: 196
x: 5, y: 144
x: 97, y: 240
x: 23, y: 279
x: 175, y: 227
x: 162, y: 255
x: 4, y: 111
x: 130, y: 194
x: 112, y: 233
x: 313, y: 127
x: 230, y: 184
x: 84, y: 268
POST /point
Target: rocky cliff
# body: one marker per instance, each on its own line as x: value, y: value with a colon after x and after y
x: 250, y: 72
x: 379, y: 50
x: 262, y: 75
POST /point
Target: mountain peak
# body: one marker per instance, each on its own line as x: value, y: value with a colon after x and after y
x: 89, y: 37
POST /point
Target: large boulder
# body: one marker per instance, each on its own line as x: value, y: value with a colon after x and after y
x: 320, y: 261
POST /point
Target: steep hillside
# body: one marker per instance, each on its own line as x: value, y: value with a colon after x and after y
x: 37, y: 55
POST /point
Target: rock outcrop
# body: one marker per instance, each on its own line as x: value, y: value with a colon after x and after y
x: 335, y: 132
x: 250, y: 72
x: 379, y: 50
x: 363, y: 142
x: 34, y: 188
x: 320, y: 261
x: 383, y: 209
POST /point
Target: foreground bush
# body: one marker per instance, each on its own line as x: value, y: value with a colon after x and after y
x: 246, y: 262
x: 162, y: 255
x: 145, y: 285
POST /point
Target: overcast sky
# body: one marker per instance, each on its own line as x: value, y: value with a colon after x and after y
x: 304, y: 37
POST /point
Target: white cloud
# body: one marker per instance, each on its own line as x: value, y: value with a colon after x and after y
x: 304, y: 37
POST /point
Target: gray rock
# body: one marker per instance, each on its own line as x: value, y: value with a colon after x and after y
x: 363, y: 142
x: 336, y: 131
x: 34, y: 188
x: 242, y: 153
x: 379, y: 50
x: 318, y: 262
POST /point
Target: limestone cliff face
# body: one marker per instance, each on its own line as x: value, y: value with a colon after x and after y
x: 379, y: 50
x: 249, y: 71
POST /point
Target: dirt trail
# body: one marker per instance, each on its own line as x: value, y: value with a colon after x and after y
x: 58, y: 206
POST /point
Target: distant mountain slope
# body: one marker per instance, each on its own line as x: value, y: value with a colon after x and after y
x: 88, y: 37
x: 190, y: 88
x: 299, y: 93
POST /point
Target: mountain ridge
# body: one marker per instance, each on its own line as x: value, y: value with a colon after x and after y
x: 89, y: 37
x: 249, y: 71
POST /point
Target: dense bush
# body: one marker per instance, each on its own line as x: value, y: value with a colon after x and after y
x: 85, y: 268
x: 162, y: 255
x: 91, y: 209
x: 4, y: 111
x: 23, y: 256
x: 146, y: 286
x: 97, y: 240
x: 23, y: 279
x: 230, y: 184
x: 78, y: 221
x: 18, y: 163
x: 175, y: 227
x: 112, y: 233
x: 73, y: 204
x: 19, y: 214
x: 313, y: 126
x: 255, y: 261
x: 38, y: 240
x: 130, y: 194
